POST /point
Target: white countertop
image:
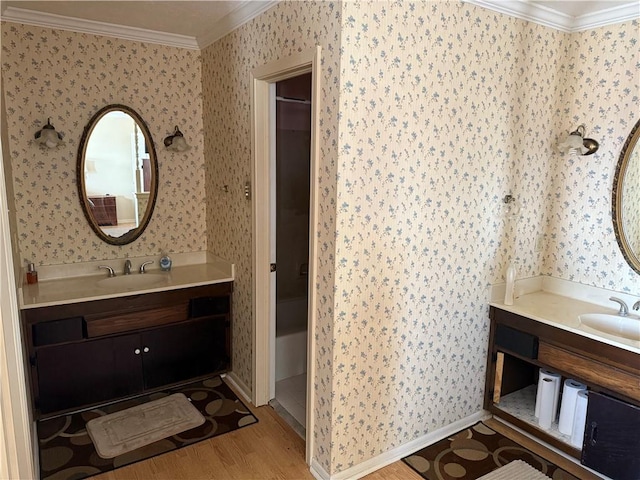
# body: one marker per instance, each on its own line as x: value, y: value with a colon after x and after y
x: 86, y: 288
x: 559, y: 304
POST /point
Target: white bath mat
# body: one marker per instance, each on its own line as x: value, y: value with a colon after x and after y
x: 135, y: 427
x: 515, y: 470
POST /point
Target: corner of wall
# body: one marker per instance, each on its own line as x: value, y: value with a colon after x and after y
x: 8, y: 180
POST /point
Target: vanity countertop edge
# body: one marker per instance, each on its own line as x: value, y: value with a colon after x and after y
x: 84, y: 288
x: 537, y: 301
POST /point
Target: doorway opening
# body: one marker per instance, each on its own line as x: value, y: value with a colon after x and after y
x: 290, y: 220
x: 263, y: 101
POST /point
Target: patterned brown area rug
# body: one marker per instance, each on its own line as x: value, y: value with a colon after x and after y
x: 67, y: 452
x: 474, y: 452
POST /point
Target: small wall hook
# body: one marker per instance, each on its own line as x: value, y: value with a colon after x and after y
x: 512, y: 209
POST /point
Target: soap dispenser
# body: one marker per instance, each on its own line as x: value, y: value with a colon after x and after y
x: 165, y: 262
x: 511, y: 281
x: 32, y: 274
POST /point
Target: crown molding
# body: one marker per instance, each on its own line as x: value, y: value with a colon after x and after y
x: 560, y: 21
x: 609, y: 16
x: 50, y: 20
x: 244, y: 13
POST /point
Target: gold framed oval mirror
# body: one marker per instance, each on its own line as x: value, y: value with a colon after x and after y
x: 626, y: 199
x: 117, y: 174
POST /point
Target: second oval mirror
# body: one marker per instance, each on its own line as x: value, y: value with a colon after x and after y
x: 626, y: 198
x: 117, y: 174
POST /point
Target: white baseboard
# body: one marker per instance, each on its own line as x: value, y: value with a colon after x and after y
x: 387, y: 458
x: 317, y: 471
x: 240, y: 387
x: 382, y: 460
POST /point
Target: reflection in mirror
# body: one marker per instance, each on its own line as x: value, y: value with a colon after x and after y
x: 626, y: 199
x: 631, y: 201
x: 117, y: 174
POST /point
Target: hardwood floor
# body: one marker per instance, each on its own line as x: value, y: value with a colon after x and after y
x: 270, y: 449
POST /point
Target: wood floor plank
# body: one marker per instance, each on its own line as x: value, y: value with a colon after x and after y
x: 396, y: 471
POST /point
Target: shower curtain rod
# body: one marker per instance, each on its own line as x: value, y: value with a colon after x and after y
x: 293, y: 100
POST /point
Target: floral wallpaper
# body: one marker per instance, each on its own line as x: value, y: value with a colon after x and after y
x: 442, y: 109
x: 599, y: 87
x: 431, y: 113
x: 68, y: 77
x: 287, y: 28
x: 436, y: 108
x: 7, y: 171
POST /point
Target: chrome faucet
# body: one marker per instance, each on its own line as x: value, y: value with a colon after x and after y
x: 142, y: 270
x: 127, y: 267
x: 111, y: 272
x: 624, y: 310
x: 636, y: 305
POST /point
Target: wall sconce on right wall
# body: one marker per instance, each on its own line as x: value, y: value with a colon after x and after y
x: 576, y: 144
x: 176, y: 142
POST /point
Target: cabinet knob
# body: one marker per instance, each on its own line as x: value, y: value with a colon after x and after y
x: 137, y: 351
x: 145, y: 349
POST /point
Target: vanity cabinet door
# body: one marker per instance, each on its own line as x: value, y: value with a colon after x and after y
x: 83, y: 373
x: 611, y: 442
x: 184, y: 351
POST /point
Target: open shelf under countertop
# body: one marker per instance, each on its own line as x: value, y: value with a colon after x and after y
x: 522, y: 404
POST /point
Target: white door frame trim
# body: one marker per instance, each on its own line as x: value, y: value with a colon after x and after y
x: 17, y: 430
x: 262, y: 140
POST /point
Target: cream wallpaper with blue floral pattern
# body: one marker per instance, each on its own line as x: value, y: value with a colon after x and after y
x: 601, y: 89
x: 442, y: 110
x: 431, y: 113
x: 287, y: 29
x: 68, y: 77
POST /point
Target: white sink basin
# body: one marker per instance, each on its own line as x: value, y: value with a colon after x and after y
x: 626, y: 327
x: 133, y: 281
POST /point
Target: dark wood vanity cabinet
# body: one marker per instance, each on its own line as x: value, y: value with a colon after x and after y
x: 612, y: 437
x: 520, y: 346
x: 82, y: 373
x: 88, y: 353
x: 187, y: 350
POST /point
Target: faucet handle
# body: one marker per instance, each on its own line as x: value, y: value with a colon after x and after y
x: 636, y: 306
x: 142, y: 270
x: 624, y: 309
x: 111, y: 272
